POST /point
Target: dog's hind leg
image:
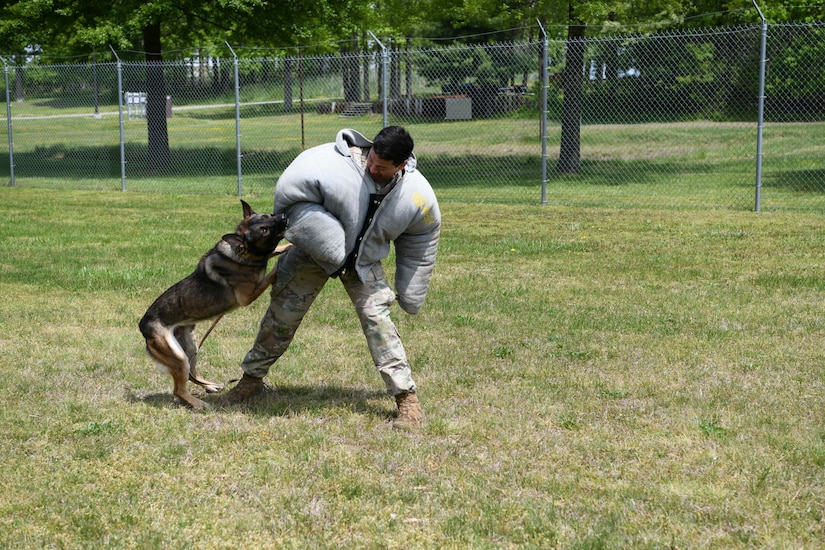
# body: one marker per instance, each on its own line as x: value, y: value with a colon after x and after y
x: 169, y: 356
x: 184, y: 335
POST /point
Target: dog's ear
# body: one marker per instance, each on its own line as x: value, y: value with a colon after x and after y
x: 234, y: 240
x: 247, y: 210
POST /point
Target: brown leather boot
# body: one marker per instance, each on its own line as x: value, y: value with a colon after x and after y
x: 246, y: 387
x: 410, y: 415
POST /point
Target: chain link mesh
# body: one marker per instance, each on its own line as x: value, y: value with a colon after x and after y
x: 794, y: 133
x: 660, y: 120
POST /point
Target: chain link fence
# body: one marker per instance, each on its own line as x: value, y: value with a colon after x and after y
x: 670, y: 119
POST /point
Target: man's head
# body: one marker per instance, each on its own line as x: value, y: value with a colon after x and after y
x: 390, y: 150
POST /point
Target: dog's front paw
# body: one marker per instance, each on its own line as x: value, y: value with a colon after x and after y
x: 280, y: 249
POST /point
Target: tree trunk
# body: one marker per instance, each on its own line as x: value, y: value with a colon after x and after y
x: 158, y: 154
x: 408, y: 75
x: 365, y: 68
x: 350, y: 71
x: 18, y: 84
x: 570, y: 150
x: 288, y: 84
x: 395, y: 71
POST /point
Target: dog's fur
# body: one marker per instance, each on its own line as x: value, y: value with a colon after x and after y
x: 230, y: 275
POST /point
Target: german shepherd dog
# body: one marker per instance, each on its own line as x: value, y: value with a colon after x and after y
x: 231, y: 275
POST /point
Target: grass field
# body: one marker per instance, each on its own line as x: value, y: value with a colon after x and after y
x: 593, y: 378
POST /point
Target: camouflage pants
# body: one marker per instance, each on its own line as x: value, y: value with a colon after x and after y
x: 300, y: 280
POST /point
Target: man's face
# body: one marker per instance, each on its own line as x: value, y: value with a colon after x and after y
x: 382, y: 170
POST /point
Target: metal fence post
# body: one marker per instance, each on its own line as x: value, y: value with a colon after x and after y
x: 120, y: 115
x: 761, y: 116
x: 301, y: 98
x: 8, y: 123
x: 545, y: 84
x: 384, y: 75
x: 237, y: 118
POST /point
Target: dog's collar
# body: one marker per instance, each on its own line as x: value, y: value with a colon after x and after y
x: 225, y: 249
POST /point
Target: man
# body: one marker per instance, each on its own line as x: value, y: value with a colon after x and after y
x: 346, y: 202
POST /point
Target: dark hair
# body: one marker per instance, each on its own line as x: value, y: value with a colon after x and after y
x: 393, y: 143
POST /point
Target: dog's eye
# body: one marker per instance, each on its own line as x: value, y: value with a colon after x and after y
x: 265, y: 231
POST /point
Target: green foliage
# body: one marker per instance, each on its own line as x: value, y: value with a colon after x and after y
x: 451, y: 65
x: 710, y: 75
x: 711, y: 428
x: 485, y: 66
x: 795, y: 78
x: 90, y: 25
x: 87, y: 26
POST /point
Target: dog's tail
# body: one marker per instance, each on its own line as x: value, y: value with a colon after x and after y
x: 210, y: 387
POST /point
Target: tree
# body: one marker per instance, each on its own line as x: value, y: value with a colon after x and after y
x: 570, y: 148
x: 598, y: 15
x: 65, y: 27
x: 70, y: 28
x: 158, y: 155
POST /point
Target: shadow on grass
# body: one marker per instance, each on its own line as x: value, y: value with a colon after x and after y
x: 65, y: 162
x: 285, y: 400
x: 68, y: 166
x: 800, y: 181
